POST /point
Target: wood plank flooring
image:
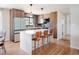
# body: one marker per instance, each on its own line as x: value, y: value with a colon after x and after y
x: 12, y: 49
x: 60, y: 48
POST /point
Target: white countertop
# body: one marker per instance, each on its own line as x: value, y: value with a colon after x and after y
x: 34, y: 31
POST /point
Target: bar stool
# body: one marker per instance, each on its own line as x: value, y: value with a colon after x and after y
x: 36, y: 38
x: 45, y: 36
x: 50, y: 33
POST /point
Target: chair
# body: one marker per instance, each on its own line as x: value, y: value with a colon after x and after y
x: 45, y: 36
x: 50, y: 33
x: 36, y: 38
x: 2, y: 40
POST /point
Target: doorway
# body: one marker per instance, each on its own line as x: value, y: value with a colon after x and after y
x: 65, y: 30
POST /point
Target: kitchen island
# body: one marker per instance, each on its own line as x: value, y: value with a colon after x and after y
x: 26, y: 42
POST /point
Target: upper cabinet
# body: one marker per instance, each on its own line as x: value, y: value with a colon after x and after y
x: 17, y: 12
x: 53, y: 16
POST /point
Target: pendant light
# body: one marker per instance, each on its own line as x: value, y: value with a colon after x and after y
x: 31, y: 15
x: 42, y: 16
x: 31, y: 7
x: 42, y: 12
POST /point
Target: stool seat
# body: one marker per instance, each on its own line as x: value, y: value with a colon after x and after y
x: 35, y: 39
x: 50, y: 34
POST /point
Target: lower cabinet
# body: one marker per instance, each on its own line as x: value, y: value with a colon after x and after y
x: 16, y: 38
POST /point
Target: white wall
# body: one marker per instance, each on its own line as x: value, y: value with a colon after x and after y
x: 59, y: 25
x: 63, y: 22
x: 0, y: 20
x: 6, y: 22
x: 68, y: 24
x: 75, y: 27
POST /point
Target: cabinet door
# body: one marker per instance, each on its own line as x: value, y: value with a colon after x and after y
x: 31, y: 21
x: 23, y: 23
x: 27, y: 21
x: 16, y: 23
x: 16, y: 37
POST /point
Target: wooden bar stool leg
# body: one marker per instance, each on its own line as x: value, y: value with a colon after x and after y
x: 45, y: 42
x: 49, y: 41
x: 38, y: 44
x: 4, y: 49
x: 42, y: 41
x: 35, y: 46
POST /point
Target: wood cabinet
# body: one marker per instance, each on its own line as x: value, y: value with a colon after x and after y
x: 53, y: 19
x: 17, y: 12
x: 14, y: 13
x: 36, y: 20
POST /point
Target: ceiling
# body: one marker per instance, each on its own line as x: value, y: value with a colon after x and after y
x: 36, y: 8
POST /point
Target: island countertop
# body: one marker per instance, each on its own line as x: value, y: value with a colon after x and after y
x: 34, y: 31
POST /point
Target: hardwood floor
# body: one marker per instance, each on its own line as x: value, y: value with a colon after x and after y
x: 58, y: 48
x: 62, y: 48
x: 13, y: 49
